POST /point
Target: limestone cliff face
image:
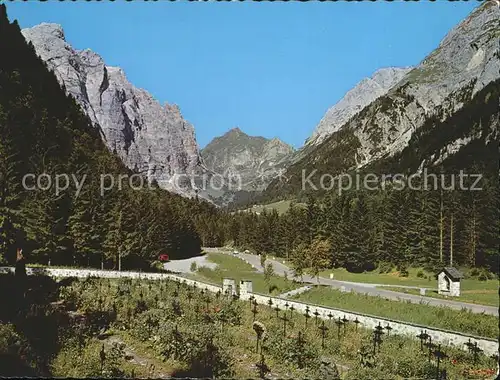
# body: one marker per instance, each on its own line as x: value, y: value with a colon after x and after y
x: 447, y: 80
x: 254, y: 159
x: 365, y: 92
x: 383, y: 111
x: 464, y: 63
x: 151, y: 138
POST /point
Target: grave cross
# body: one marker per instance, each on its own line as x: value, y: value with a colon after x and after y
x: 344, y: 321
x: 285, y: 319
x: 102, y: 356
x: 307, y: 315
x: 323, y: 329
x: 377, y: 337
x: 316, y: 315
x: 262, y: 366
x: 330, y: 316
x: 277, y: 310
x: 338, y: 322
x: 250, y: 299
x: 254, y: 310
x: 431, y: 346
x: 259, y: 330
x: 207, y: 300
x: 439, y: 355
x: 423, y: 336
x: 291, y: 311
x: 270, y: 302
x: 388, y: 328
x: 469, y: 345
x: 356, y: 322
x: 476, y: 351
x: 300, y: 344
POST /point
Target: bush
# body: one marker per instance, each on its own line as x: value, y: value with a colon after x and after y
x: 474, y: 272
x: 403, y: 271
x: 272, y: 288
x: 420, y: 274
x: 78, y: 362
x: 384, y: 267
x: 193, y: 266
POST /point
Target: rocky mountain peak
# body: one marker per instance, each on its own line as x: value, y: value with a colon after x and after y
x: 255, y: 159
x: 47, y: 29
x: 235, y: 131
x: 419, y: 100
x: 147, y: 136
x: 365, y: 92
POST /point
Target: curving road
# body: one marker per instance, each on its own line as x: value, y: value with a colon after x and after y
x: 370, y: 289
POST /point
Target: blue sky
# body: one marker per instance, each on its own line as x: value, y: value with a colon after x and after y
x: 272, y: 69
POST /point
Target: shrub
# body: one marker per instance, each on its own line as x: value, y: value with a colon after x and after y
x: 273, y: 287
x: 193, y: 266
x: 403, y: 271
x: 384, y: 267
x: 474, y: 272
x: 420, y: 274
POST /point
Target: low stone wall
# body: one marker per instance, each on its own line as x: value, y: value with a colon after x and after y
x: 84, y: 273
x: 449, y: 338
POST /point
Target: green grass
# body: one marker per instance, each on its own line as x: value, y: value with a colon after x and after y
x: 441, y: 317
x: 280, y: 206
x: 400, y: 357
x: 484, y: 296
x: 391, y: 278
x: 472, y: 290
x: 233, y: 267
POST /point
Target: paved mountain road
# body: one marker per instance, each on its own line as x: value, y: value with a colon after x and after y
x: 370, y: 289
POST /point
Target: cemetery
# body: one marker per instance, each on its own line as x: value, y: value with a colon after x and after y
x: 185, y: 328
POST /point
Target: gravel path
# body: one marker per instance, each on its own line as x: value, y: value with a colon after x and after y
x: 184, y: 266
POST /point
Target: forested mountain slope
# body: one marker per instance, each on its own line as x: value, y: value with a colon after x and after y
x: 466, y: 61
x: 43, y: 130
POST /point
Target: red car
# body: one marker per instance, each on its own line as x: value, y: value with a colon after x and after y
x: 164, y: 257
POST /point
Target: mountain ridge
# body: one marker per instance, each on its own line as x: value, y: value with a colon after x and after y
x: 149, y: 137
x: 465, y: 62
x: 254, y: 159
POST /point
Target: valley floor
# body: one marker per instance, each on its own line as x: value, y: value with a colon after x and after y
x: 358, y: 297
x: 360, y: 284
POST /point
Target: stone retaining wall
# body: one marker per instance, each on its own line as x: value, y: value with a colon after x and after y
x: 449, y: 338
x: 84, y: 273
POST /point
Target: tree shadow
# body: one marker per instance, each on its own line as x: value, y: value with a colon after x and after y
x: 27, y: 304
